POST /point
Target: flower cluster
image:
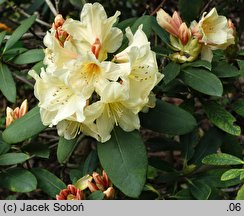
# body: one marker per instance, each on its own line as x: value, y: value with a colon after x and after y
x: 84, y: 89
x: 210, y: 33
x: 77, y: 191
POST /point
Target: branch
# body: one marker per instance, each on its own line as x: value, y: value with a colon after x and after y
x: 52, y: 8
x: 158, y: 7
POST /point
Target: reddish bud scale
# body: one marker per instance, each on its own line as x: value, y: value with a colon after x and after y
x: 70, y: 193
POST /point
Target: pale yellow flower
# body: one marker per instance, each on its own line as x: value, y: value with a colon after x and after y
x: 70, y: 129
x: 95, y: 31
x: 214, y: 32
x: 56, y: 100
x: 144, y: 75
x: 113, y: 111
x: 86, y: 74
x: 214, y: 28
x: 55, y: 54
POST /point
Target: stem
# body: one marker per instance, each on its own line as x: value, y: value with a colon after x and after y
x: 15, y: 8
x: 23, y: 80
x: 158, y: 7
x: 52, y: 8
x: 56, y: 5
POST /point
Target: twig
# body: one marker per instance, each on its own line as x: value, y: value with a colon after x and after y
x: 27, y: 35
x: 52, y: 8
x: 206, y: 6
x: 159, y: 6
x: 27, y: 15
x: 37, y: 20
x: 56, y: 5
x: 23, y: 80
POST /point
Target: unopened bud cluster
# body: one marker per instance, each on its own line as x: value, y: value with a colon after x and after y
x: 210, y: 33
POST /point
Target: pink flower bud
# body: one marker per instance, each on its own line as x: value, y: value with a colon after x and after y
x: 92, y: 187
x: 12, y: 115
x: 184, y: 34
x: 170, y: 24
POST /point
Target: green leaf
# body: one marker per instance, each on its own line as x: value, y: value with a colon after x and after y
x: 65, y: 149
x: 200, y: 190
x: 18, y: 33
x: 221, y: 118
x: 199, y: 63
x: 169, y: 119
x: 163, y: 35
x: 188, y: 141
x: 2, y: 35
x: 190, y: 9
x: 124, y: 159
x: 48, y: 182
x: 91, y: 163
x: 162, y: 144
x: 31, y: 56
x: 126, y: 23
x: 38, y: 66
x: 77, y: 3
x: 74, y: 175
x: 97, y: 195
x: 231, y: 174
x: 13, y: 158
x: 209, y: 144
x: 171, y: 71
x: 240, y: 194
x: 202, y: 81
x: 238, y: 107
x: 225, y: 70
x: 25, y: 127
x: 7, y: 84
x: 2, y: 1
x: 149, y: 193
x: 222, y: 159
x: 18, y: 180
x: 213, y: 178
x: 184, y: 194
x: 242, y: 175
x: 160, y: 164
x: 231, y: 145
x: 38, y: 149
x: 4, y: 147
x: 146, y: 22
x: 241, y: 66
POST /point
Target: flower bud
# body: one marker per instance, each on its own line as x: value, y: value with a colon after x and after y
x: 109, y: 193
x: 184, y: 33
x: 92, y: 187
x: 170, y: 24
x: 4, y: 27
x: 70, y: 193
x: 12, y: 115
x: 185, y: 53
x: 61, y: 35
x: 58, y: 21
